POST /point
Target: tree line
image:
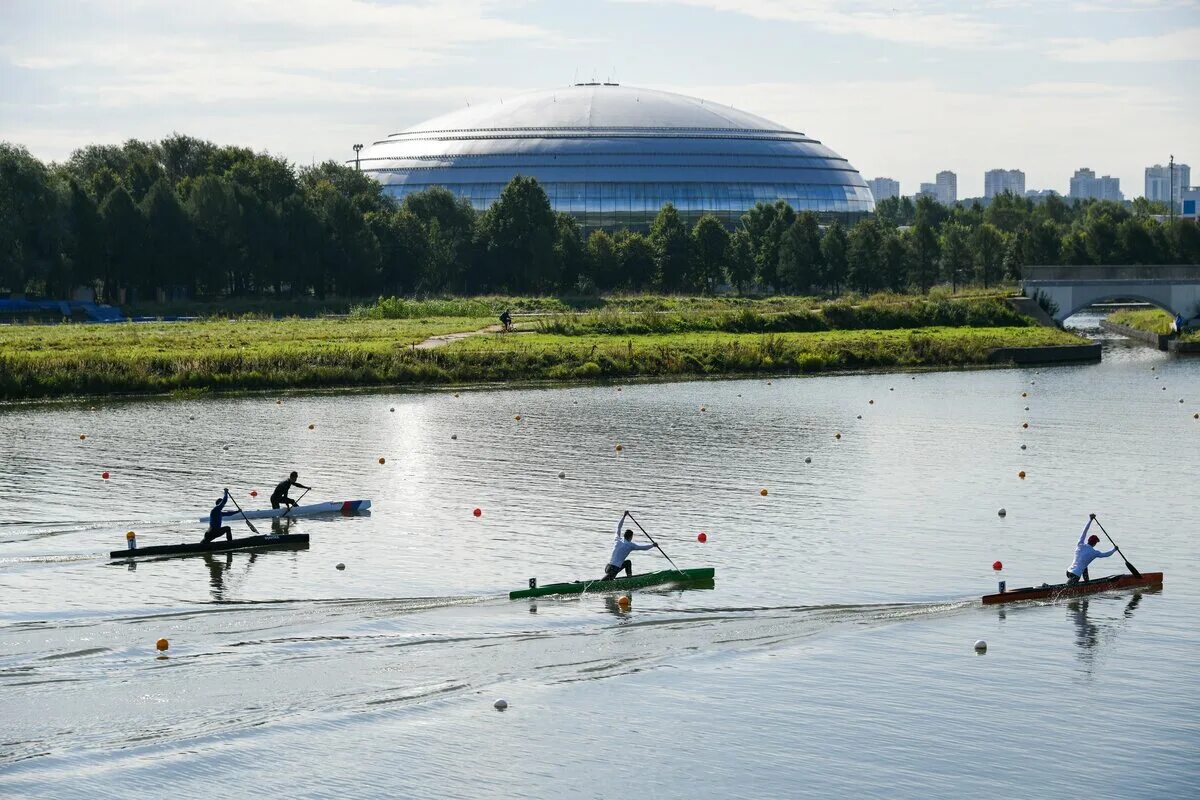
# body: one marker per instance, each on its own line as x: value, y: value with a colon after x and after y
x: 187, y: 218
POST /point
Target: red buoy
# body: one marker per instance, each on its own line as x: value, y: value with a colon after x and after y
x: 104, y: 475
x: 254, y: 492
x: 703, y: 537
x: 478, y: 512
x: 997, y: 565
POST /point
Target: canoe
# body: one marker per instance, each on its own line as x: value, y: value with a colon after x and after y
x: 217, y: 546
x: 1149, y: 580
x: 683, y: 576
x: 341, y: 506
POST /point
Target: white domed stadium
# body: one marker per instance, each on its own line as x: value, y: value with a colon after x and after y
x: 612, y: 156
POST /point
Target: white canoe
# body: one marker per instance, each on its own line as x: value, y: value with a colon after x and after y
x: 341, y: 506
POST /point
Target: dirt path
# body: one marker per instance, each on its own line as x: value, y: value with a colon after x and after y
x: 446, y: 338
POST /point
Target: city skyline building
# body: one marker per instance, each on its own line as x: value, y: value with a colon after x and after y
x: 999, y: 181
x: 946, y: 187
x: 612, y: 156
x: 1086, y: 186
x: 927, y: 190
x: 1159, y: 185
x: 883, y: 188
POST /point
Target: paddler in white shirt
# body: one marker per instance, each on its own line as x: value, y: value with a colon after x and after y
x: 622, y: 547
x: 1085, y: 553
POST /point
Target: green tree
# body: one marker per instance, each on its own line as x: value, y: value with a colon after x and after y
x: 169, y: 241
x: 866, y: 256
x: 1042, y: 243
x: 1008, y: 212
x: 710, y: 253
x: 638, y: 260
x: 216, y: 218
x: 570, y: 252
x: 988, y: 243
x: 1074, y: 250
x: 924, y: 243
x: 669, y: 237
x: 125, y: 234
x: 741, y: 260
x: 835, y: 246
x: 766, y: 225
x: 896, y: 260
x: 31, y: 220
x: 516, y: 237
x: 956, y: 254
x: 800, y: 260
x: 604, y: 260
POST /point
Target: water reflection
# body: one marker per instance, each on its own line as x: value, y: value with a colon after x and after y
x: 1089, y: 634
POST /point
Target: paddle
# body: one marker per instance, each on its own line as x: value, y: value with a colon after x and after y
x: 651, y: 538
x: 298, y: 499
x: 243, y: 513
x: 1132, y: 569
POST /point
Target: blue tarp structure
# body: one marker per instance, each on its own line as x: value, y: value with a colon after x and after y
x: 68, y: 309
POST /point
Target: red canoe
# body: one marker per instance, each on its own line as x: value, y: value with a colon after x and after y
x: 1148, y: 580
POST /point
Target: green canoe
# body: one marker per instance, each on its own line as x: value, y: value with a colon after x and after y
x: 617, y: 584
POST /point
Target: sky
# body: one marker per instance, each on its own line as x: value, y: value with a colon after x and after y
x: 902, y: 89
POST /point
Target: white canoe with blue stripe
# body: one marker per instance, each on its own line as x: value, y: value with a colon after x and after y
x: 339, y: 507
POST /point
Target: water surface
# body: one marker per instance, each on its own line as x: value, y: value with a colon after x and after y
x: 833, y: 657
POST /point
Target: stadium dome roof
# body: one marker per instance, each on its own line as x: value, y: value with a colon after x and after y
x: 613, y: 155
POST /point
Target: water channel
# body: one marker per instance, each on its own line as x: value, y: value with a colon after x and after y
x: 833, y: 657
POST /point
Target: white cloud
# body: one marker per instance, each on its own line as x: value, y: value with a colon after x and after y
x: 1180, y: 45
x: 915, y: 23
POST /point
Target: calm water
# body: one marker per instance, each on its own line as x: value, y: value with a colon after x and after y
x: 833, y: 658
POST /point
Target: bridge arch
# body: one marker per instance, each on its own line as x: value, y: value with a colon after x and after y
x: 1173, y: 288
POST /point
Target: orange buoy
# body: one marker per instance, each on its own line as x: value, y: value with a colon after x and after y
x: 619, y: 448
x: 762, y: 492
x: 1021, y: 474
x: 517, y: 417
x: 478, y: 512
x: 702, y: 537
x: 623, y: 601
x: 162, y: 644
x: 83, y: 436
x: 382, y: 460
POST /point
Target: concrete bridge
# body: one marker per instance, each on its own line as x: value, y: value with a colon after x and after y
x: 1173, y: 288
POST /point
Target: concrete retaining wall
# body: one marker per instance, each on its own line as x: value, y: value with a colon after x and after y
x: 1183, y: 348
x: 1158, y: 340
x: 1051, y: 354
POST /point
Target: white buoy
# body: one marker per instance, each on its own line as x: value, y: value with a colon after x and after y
x: 1002, y: 513
x: 341, y: 566
x: 808, y: 459
x: 454, y: 436
x: 1022, y: 447
x: 980, y: 646
x: 562, y: 474
x: 500, y: 704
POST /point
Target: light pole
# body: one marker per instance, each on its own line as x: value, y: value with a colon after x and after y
x: 357, y: 148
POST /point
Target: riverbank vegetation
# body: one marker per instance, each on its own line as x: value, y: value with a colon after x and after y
x: 639, y: 336
x: 1153, y: 320
x: 184, y: 220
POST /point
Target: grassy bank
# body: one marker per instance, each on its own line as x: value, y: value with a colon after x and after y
x: 1153, y: 320
x: 56, y: 360
x: 633, y: 337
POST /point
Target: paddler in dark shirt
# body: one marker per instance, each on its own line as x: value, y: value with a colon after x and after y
x: 280, y: 495
x: 215, y: 528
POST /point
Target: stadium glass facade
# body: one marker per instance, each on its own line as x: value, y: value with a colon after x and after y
x: 612, y: 156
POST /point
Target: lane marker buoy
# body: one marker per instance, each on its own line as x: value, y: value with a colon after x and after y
x: 500, y: 704
x: 478, y: 512
x: 161, y: 645
x: 980, y: 646
x: 702, y: 537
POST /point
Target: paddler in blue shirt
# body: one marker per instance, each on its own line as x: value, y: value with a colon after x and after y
x: 622, y: 547
x: 1085, y: 553
x: 215, y: 528
x: 280, y: 495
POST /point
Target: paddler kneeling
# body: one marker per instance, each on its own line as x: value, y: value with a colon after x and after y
x: 215, y: 528
x: 1085, y: 553
x: 280, y: 495
x: 624, y: 545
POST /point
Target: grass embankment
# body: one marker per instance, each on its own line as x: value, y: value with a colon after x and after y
x: 639, y: 336
x: 56, y: 360
x: 1153, y: 320
x: 556, y: 356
